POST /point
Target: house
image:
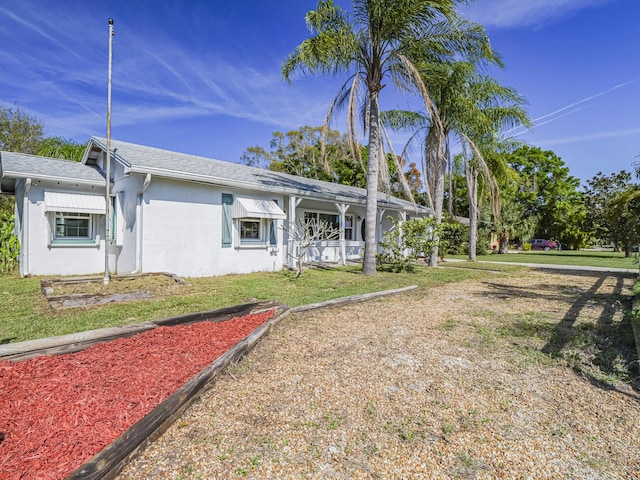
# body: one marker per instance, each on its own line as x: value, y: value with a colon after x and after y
x: 177, y: 213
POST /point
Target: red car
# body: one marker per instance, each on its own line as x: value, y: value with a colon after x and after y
x: 540, y: 244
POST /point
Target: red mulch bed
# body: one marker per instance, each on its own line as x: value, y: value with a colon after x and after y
x: 56, y: 412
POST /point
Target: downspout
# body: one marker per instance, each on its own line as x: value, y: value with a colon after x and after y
x: 24, y: 241
x: 145, y: 185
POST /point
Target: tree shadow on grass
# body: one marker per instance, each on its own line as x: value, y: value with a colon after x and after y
x: 602, y: 351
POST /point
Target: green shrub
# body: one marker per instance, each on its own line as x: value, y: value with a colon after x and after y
x: 9, y: 244
x: 404, y: 243
x: 526, y: 247
x: 453, y: 237
x: 483, y: 240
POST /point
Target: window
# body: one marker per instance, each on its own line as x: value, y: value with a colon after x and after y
x: 72, y: 226
x: 329, y: 220
x: 348, y: 227
x: 251, y: 230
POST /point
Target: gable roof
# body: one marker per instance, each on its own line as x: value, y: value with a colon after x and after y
x: 181, y: 166
x: 15, y: 166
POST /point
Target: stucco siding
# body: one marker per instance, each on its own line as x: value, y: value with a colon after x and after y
x: 182, y: 233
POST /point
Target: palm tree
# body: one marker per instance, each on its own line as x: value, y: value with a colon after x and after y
x: 473, y: 110
x: 379, y: 40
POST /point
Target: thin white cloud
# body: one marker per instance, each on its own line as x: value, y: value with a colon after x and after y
x: 567, y: 110
x: 584, y: 100
x: 155, y: 77
x: 589, y: 137
x: 516, y: 13
x: 42, y: 31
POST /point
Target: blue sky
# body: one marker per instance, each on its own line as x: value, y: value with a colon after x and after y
x: 203, y: 77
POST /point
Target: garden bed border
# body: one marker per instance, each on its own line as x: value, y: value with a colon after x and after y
x: 76, y: 342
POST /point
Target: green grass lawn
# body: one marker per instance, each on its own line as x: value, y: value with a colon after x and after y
x: 587, y: 258
x: 25, y: 313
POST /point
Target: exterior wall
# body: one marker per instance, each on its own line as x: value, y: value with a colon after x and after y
x: 38, y: 255
x: 182, y: 233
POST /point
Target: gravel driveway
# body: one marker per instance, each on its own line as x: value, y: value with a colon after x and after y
x: 522, y: 375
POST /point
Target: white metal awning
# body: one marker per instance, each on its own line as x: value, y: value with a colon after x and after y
x: 74, y: 203
x: 252, y: 208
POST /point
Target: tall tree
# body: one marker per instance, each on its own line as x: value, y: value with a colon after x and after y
x: 380, y: 39
x: 19, y: 132
x: 622, y: 213
x: 480, y: 115
x: 300, y: 152
x: 548, y: 192
x: 598, y: 194
x: 474, y: 109
x: 60, y: 147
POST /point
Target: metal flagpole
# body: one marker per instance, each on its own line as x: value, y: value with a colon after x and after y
x: 107, y: 228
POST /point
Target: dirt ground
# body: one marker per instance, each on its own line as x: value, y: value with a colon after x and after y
x: 527, y: 375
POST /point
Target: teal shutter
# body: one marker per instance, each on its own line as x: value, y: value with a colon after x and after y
x: 227, y: 227
x: 273, y: 236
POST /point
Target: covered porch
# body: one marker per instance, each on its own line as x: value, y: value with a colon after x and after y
x: 341, y: 243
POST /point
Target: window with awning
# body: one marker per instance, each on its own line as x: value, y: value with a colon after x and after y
x: 253, y: 208
x: 74, y: 203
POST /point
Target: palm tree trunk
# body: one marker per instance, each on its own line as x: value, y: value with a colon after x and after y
x: 504, y: 242
x: 438, y: 200
x: 472, y: 184
x: 450, y: 172
x: 370, y: 241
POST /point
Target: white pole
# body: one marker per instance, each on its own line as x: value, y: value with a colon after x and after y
x: 107, y: 228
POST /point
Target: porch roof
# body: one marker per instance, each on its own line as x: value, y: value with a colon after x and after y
x: 180, y: 166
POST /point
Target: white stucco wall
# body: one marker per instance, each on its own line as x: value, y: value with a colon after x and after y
x: 182, y: 232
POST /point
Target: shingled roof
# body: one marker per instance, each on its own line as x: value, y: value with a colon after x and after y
x: 15, y: 166
x: 181, y: 166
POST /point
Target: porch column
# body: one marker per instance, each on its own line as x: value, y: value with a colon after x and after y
x: 342, y: 208
x: 379, y: 226
x: 293, y: 204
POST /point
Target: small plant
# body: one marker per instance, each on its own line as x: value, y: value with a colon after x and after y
x: 406, y: 241
x: 449, y: 325
x: 332, y: 420
x: 305, y: 233
x: 371, y: 409
x: 448, y: 428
